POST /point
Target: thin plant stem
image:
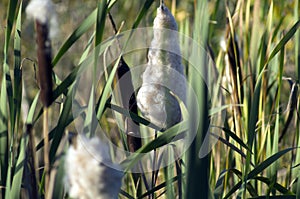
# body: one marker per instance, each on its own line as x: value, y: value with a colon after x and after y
x: 161, y: 2
x: 33, y: 162
x: 46, y: 150
x: 153, y: 181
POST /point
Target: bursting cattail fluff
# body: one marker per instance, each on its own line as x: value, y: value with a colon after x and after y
x: 87, y: 176
x: 163, y: 77
x: 43, y: 12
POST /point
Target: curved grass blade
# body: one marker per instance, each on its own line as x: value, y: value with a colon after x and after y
x: 63, y: 87
x: 284, y: 40
x: 30, y: 116
x: 165, y: 138
x: 78, y: 32
x: 232, y: 135
x: 61, y: 125
x: 259, y: 168
x: 107, y: 90
x: 160, y: 186
x: 234, y: 189
x: 127, y: 195
x: 219, y: 188
x: 132, y: 115
x: 277, y: 186
x: 230, y: 145
x: 142, y: 13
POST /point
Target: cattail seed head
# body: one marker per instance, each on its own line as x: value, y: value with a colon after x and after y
x: 43, y: 11
x: 87, y: 176
x: 163, y: 77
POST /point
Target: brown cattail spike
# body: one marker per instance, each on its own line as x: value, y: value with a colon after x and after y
x: 128, y: 99
x: 129, y: 103
x: 44, y: 63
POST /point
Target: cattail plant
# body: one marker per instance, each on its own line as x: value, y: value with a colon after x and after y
x: 42, y: 11
x: 87, y: 173
x: 163, y: 77
x: 128, y: 99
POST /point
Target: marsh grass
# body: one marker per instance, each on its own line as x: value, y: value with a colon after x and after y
x: 262, y: 56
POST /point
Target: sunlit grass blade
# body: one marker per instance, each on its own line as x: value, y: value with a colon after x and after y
x: 297, y: 41
x: 100, y: 22
x: 198, y: 164
x: 254, y: 107
x: 287, y: 37
x: 61, y: 125
x: 3, y: 134
x: 142, y: 13
x: 169, y: 174
x: 63, y: 87
x: 107, y: 90
x: 6, y: 97
x: 19, y: 168
x: 235, y: 138
x: 32, y: 109
x: 90, y: 122
x: 17, y: 97
x: 260, y: 167
x: 58, y: 190
x: 17, y: 90
x: 231, y: 146
x: 77, y: 33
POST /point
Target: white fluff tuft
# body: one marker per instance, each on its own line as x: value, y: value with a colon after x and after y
x: 164, y: 76
x: 44, y: 12
x: 87, y: 176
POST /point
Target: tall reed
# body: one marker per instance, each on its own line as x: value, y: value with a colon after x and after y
x: 256, y: 152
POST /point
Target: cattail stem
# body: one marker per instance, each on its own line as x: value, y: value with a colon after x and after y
x: 154, y: 167
x: 46, y: 151
x: 45, y: 81
x: 128, y: 99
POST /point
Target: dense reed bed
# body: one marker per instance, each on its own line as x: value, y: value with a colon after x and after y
x: 150, y: 99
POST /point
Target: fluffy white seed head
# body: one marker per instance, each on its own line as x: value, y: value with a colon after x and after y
x: 44, y: 12
x: 87, y: 176
x: 163, y: 77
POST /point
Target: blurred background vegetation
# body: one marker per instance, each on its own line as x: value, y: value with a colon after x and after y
x: 259, y: 26
x: 72, y: 12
